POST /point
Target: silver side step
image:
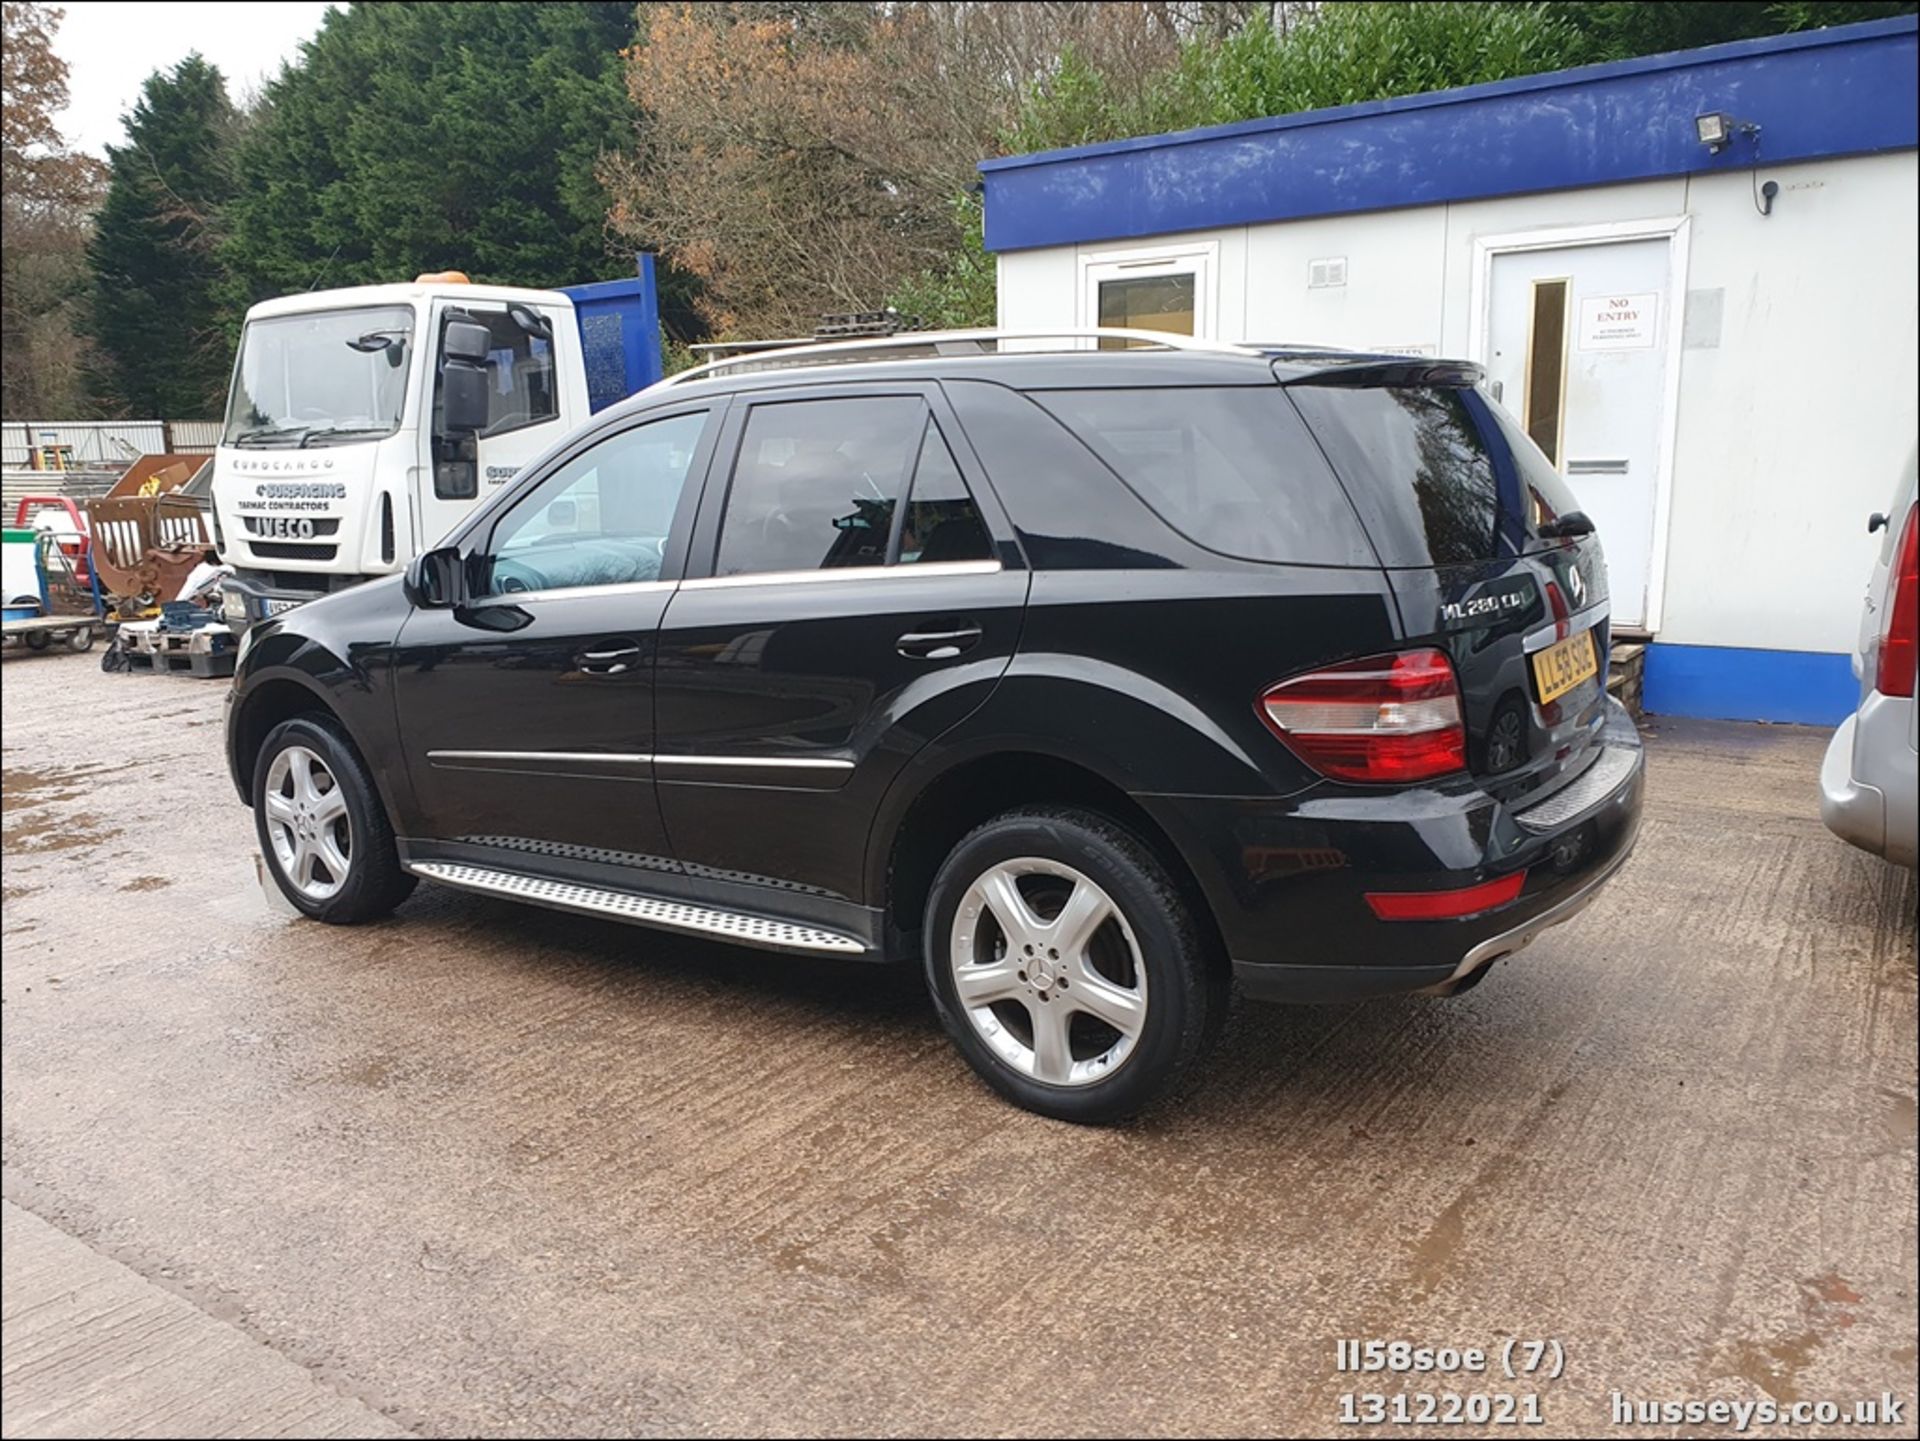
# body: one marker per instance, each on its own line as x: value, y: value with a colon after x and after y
x: 741, y: 929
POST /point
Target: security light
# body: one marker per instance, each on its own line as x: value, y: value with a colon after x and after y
x: 1717, y: 129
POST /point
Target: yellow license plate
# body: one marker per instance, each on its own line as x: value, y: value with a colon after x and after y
x: 1563, y: 665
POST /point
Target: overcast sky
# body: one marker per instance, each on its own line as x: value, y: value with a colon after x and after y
x: 110, y: 48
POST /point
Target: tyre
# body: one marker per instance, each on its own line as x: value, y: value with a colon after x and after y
x: 322, y: 827
x: 37, y: 640
x: 1067, y: 966
x: 81, y: 639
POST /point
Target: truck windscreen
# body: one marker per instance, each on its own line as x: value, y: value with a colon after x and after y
x: 320, y: 378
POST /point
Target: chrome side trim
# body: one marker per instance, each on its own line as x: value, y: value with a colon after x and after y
x: 852, y: 572
x: 800, y: 763
x: 803, y: 763
x: 584, y: 592
x: 734, y: 926
x: 454, y: 757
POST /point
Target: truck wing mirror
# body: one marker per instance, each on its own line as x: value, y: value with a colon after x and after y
x: 463, y: 378
x: 467, y: 341
x: 434, y: 579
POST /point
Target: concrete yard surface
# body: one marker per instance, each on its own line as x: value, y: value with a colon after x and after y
x: 491, y: 1170
x: 92, y: 1348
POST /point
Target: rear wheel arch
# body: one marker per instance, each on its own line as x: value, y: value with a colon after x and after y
x: 951, y: 804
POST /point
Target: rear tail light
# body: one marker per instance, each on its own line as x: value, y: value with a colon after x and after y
x: 1389, y: 718
x: 1900, y: 646
x: 1445, y: 905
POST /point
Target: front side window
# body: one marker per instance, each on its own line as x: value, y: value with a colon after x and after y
x: 603, y: 518
x: 817, y: 483
x: 521, y: 388
x: 322, y: 378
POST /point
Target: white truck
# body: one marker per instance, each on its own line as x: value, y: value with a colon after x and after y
x: 364, y: 423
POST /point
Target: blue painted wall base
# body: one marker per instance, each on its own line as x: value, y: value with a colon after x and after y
x: 1716, y: 682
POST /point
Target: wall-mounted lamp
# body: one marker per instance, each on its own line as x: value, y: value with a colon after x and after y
x: 1717, y: 130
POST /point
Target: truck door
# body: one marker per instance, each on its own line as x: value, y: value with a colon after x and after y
x: 528, y: 411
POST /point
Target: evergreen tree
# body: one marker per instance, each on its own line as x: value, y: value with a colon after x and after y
x: 157, y: 322
x: 431, y: 137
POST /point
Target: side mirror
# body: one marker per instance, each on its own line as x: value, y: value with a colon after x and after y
x: 562, y: 515
x: 434, y: 579
x: 465, y: 341
x: 464, y: 380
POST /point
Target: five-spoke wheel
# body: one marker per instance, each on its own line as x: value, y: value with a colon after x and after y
x: 307, y: 820
x: 322, y: 827
x: 1067, y: 965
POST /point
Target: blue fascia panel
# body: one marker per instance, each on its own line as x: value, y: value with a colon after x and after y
x: 1845, y: 91
x: 1731, y: 683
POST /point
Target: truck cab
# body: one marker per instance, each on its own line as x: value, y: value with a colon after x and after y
x: 364, y: 423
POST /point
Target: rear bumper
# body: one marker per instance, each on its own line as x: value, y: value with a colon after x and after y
x: 1870, y: 779
x: 1288, y: 879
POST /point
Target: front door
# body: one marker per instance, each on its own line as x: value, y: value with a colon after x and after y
x: 1577, y: 350
x: 528, y: 712
x: 857, y: 607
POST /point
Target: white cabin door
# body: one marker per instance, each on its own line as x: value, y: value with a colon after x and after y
x: 1577, y: 349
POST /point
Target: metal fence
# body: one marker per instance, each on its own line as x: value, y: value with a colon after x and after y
x: 105, y: 442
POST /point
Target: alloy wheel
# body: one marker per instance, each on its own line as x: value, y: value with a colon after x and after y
x: 307, y: 820
x: 1048, y: 972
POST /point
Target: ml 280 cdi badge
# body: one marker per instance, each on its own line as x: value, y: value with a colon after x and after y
x: 1093, y: 680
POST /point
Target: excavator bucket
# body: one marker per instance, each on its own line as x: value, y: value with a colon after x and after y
x: 148, y: 534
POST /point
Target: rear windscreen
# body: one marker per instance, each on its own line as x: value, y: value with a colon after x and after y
x: 1441, y: 476
x: 1232, y: 468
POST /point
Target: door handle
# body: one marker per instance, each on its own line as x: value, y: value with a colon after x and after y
x: 938, y: 644
x: 608, y: 662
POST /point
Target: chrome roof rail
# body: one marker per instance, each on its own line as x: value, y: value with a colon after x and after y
x: 933, y: 344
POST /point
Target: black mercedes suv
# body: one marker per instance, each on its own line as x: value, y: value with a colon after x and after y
x: 1095, y: 676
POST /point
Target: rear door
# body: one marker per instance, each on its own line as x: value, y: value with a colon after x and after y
x: 1454, y: 497
x: 850, y: 602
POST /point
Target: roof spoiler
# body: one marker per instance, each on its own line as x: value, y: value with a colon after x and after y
x: 1368, y: 372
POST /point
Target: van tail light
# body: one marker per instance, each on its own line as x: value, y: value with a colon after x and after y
x: 1900, y: 646
x: 1387, y: 718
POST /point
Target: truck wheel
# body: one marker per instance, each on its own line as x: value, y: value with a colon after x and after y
x: 322, y: 827
x: 81, y: 639
x: 37, y: 640
x: 1067, y: 966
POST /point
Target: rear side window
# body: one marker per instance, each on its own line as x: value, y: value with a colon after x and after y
x: 819, y: 485
x: 1232, y: 469
x: 817, y: 482
x: 1440, y: 475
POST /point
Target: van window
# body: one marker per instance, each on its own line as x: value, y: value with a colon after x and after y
x: 1230, y: 467
x: 942, y: 522
x: 1441, y: 475
x: 816, y: 483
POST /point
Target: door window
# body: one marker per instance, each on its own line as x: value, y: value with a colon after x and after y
x: 942, y: 522
x: 1547, y: 366
x: 521, y: 388
x: 603, y: 518
x: 1149, y: 302
x: 817, y: 482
